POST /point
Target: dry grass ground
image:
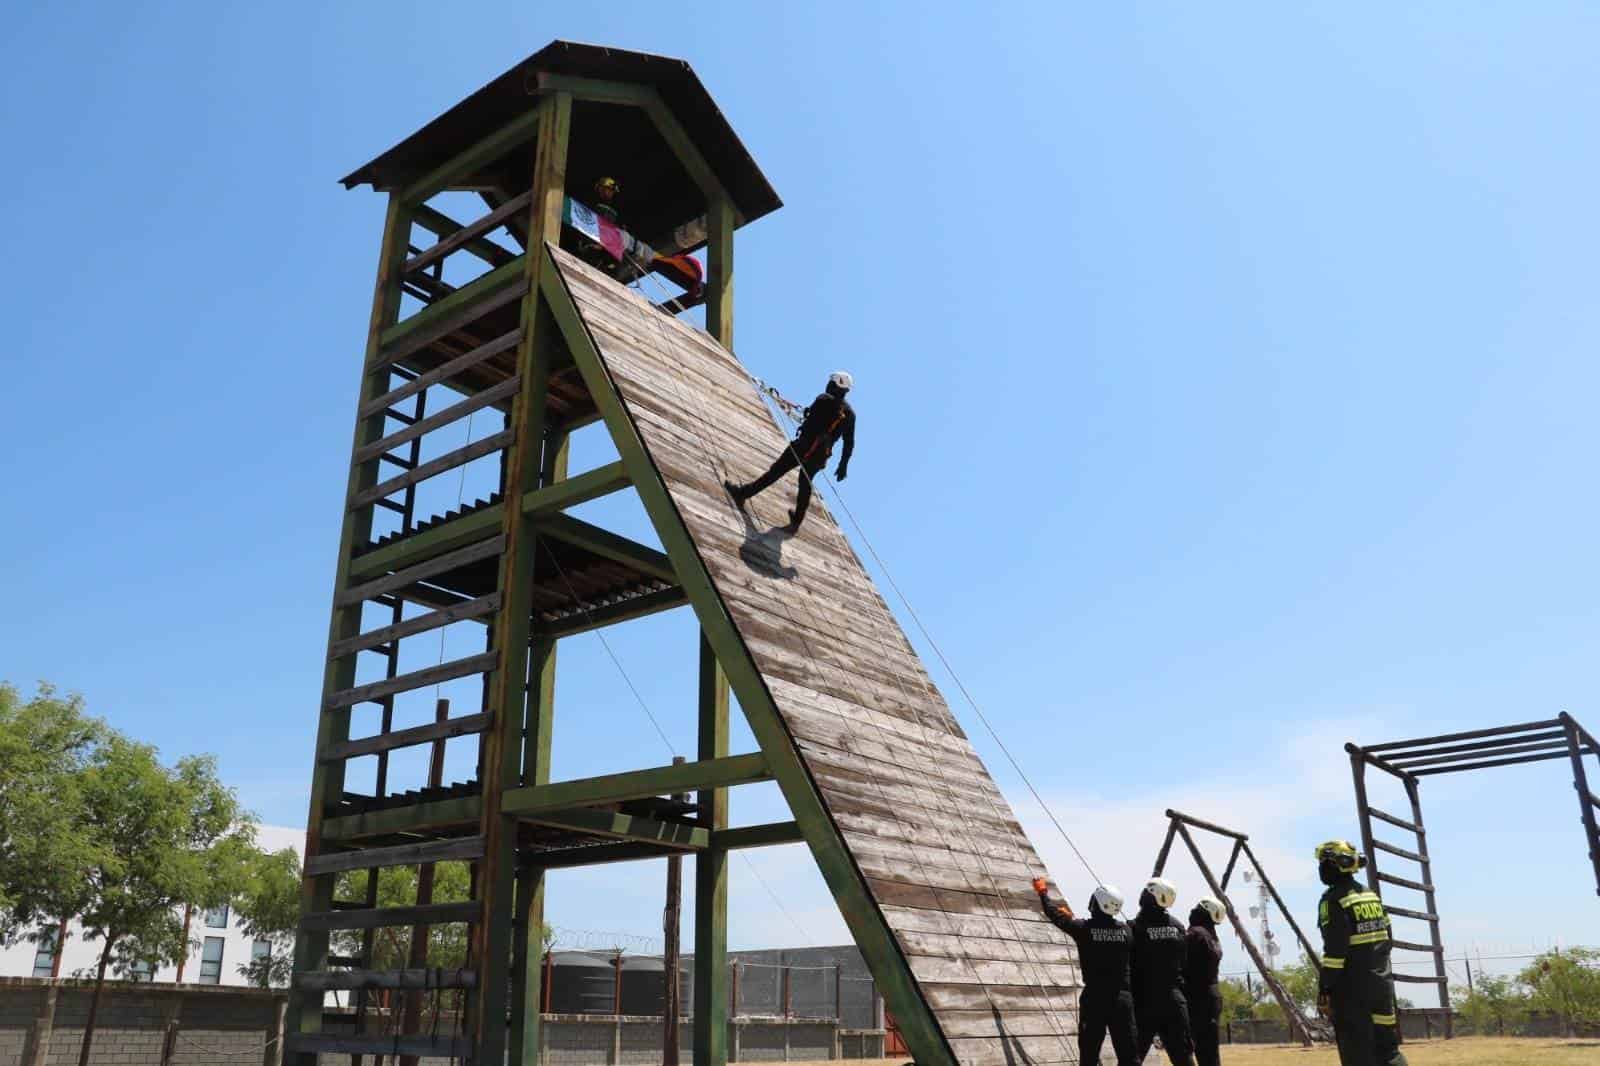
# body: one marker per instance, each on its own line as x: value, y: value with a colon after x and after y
x: 1466, y: 1051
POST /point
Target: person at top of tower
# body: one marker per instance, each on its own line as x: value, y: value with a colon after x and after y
x: 1160, y: 948
x: 830, y: 418
x: 1105, y: 944
x: 606, y: 191
x: 1356, y: 990
x: 1200, y: 979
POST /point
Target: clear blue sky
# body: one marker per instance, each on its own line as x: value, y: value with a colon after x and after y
x: 1226, y: 382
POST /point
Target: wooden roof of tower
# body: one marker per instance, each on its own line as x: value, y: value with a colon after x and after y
x: 647, y: 158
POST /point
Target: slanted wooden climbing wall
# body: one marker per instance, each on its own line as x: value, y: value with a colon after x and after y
x: 939, y: 850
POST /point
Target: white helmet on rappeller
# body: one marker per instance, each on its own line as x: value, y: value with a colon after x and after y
x: 1164, y: 892
x: 1213, y: 906
x: 1107, y: 899
x: 841, y: 379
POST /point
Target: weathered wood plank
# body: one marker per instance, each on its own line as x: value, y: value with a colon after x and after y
x: 455, y: 411
x: 443, y: 373
x: 407, y: 738
x: 459, y: 612
x: 383, y: 917
x: 434, y: 467
x: 412, y: 574
x: 432, y: 675
x: 461, y: 237
x: 398, y: 855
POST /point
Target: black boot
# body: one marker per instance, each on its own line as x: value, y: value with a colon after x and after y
x: 794, y: 523
x: 736, y: 491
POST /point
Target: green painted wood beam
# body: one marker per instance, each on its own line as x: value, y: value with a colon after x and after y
x: 442, y: 226
x: 518, y: 131
x: 590, y: 485
x: 596, y: 855
x: 758, y: 836
x: 480, y: 287
x: 661, y: 116
x: 838, y: 867
x: 711, y: 876
x: 624, y: 826
x: 583, y: 534
x: 614, y: 613
x: 416, y: 818
x: 637, y: 784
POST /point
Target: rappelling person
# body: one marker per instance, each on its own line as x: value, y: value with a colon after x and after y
x: 1200, y: 979
x: 829, y: 418
x: 1160, y: 948
x: 1104, y: 945
x: 1356, y: 992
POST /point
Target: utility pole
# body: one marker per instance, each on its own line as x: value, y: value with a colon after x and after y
x: 670, y: 921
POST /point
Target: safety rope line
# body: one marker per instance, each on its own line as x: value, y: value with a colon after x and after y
x: 912, y: 846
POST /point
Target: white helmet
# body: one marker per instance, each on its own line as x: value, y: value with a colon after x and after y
x: 1213, y: 906
x: 841, y: 379
x: 1164, y: 891
x: 1108, y: 898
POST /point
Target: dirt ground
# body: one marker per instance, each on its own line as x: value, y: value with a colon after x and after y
x: 1466, y: 1051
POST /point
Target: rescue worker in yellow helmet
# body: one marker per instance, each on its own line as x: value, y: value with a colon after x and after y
x: 606, y: 191
x: 1357, y: 988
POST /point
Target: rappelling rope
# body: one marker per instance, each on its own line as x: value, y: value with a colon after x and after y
x: 890, y: 806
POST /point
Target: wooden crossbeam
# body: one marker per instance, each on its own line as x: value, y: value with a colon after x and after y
x: 1404, y: 883
x: 597, y: 855
x: 637, y: 784
x: 432, y: 977
x: 1393, y: 850
x: 398, y: 855
x: 461, y: 237
x: 624, y: 826
x: 409, y: 738
x: 432, y: 675
x: 603, y: 542
x: 459, y: 612
x: 1404, y: 912
x: 443, y: 317
x: 453, y: 413
x: 412, y: 818
x: 442, y: 373
x: 434, y: 467
x: 1384, y: 816
x: 757, y: 836
x: 420, y: 571
x: 442, y: 225
x: 363, y: 917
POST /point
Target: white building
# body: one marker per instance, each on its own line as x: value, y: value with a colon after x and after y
x: 221, y: 947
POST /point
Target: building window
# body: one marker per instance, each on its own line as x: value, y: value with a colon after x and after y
x: 44, y: 960
x: 211, y: 961
x: 142, y: 971
x: 217, y: 917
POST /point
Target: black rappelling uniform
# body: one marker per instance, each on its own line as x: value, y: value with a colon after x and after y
x: 1160, y: 948
x: 1106, y: 1003
x: 829, y: 418
x: 1356, y: 975
x: 1204, y: 958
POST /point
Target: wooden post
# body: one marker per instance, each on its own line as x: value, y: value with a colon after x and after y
x: 417, y: 955
x: 711, y: 969
x: 501, y: 748
x: 1580, y: 782
x: 1433, y: 904
x: 327, y: 779
x: 719, y: 272
x: 671, y: 919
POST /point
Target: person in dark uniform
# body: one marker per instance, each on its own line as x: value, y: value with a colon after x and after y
x: 1357, y: 989
x: 1105, y: 944
x: 1200, y: 979
x: 829, y: 418
x: 1160, y: 948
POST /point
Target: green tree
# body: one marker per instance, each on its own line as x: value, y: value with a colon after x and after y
x: 1240, y: 998
x: 1565, y: 982
x: 45, y: 745
x: 268, y: 906
x: 1495, y: 1005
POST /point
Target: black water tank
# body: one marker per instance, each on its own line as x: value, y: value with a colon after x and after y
x: 581, y: 983
x: 644, y: 985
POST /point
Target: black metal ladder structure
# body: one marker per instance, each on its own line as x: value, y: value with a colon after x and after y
x: 1411, y: 760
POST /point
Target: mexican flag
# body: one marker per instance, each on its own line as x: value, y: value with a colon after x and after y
x: 597, y: 227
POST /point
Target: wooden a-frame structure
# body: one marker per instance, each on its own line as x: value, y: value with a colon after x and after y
x: 923, y: 855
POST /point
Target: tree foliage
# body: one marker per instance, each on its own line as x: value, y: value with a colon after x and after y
x: 268, y: 906
x: 1495, y: 1005
x: 1566, y: 983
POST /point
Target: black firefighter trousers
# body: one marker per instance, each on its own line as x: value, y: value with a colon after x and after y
x: 1205, y: 1018
x: 1167, y: 1018
x: 815, y: 459
x: 1364, y: 1040
x: 1100, y: 1014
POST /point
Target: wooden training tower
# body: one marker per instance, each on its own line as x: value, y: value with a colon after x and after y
x: 925, y: 858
